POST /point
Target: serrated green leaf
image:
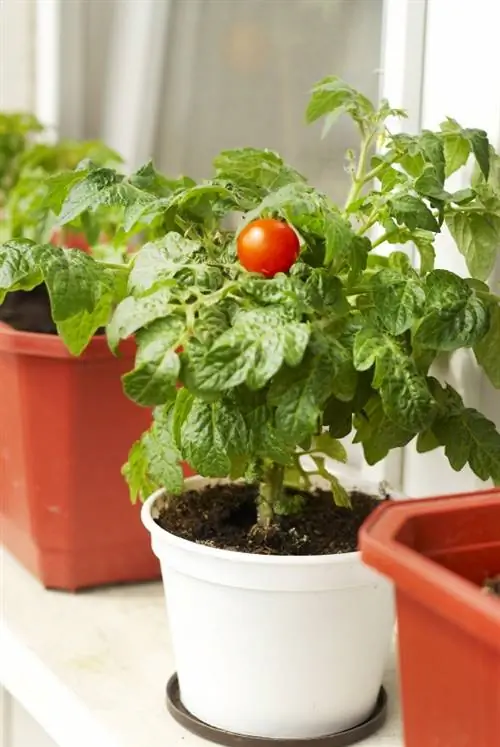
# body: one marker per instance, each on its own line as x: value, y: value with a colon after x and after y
x: 159, y: 263
x: 259, y: 171
x: 481, y: 149
x: 398, y: 299
x: 377, y: 433
x: 487, y: 350
x: 333, y: 95
x: 135, y: 472
x: 183, y: 402
x: 163, y: 456
x: 337, y: 416
x: 429, y: 184
x: 477, y: 236
x: 425, y: 248
x: 252, y: 350
x: 153, y: 461
x: 75, y: 282
x: 325, y: 444
x: 457, y: 150
x: 454, y: 316
x: 154, y: 378
x: 403, y: 389
x: 133, y: 313
x: 413, y: 212
x: 212, y: 434
x: 427, y: 441
x: 468, y: 437
x: 20, y: 267
x: 87, y: 194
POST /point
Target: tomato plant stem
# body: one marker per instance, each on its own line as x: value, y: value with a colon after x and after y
x: 360, y: 178
x: 271, y: 488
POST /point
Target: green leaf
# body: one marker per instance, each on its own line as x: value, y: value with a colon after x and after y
x: 339, y: 493
x: 135, y: 472
x: 337, y: 416
x: 332, y: 96
x: 456, y: 150
x: 148, y: 179
x: 133, y: 313
x: 377, y: 433
x: 454, y: 316
x: 252, y: 350
x: 159, y: 263
x: 403, y: 389
x: 162, y: 454
x: 477, y: 236
x: 20, y: 267
x: 212, y: 435
x: 398, y: 299
x: 468, y: 437
x: 325, y: 444
x: 425, y: 248
x: 339, y: 237
x: 74, y: 281
x: 153, y: 461
x: 82, y: 291
x: 487, y: 350
x: 154, y: 378
x: 87, y: 193
x: 59, y: 186
x: 259, y: 171
x: 413, y: 212
x: 481, y: 149
x: 429, y: 184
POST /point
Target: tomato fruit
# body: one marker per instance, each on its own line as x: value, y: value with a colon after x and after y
x: 267, y: 246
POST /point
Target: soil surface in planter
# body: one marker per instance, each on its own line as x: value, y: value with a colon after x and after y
x: 492, y: 586
x: 224, y: 516
x: 29, y: 311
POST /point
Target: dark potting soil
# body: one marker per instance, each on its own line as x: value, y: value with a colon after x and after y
x: 224, y: 516
x: 29, y: 311
x: 492, y: 586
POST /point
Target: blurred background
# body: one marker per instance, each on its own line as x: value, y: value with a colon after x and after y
x: 178, y: 80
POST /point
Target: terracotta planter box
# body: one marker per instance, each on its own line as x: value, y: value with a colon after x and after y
x: 65, y: 430
x: 439, y: 552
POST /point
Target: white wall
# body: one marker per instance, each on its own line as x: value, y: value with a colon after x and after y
x: 17, y: 43
x: 461, y: 79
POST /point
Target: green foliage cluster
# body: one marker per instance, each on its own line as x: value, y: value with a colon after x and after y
x: 247, y: 374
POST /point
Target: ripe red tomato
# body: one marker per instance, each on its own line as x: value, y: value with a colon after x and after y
x: 267, y: 246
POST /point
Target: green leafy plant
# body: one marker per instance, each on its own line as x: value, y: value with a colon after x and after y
x: 16, y: 133
x: 247, y: 372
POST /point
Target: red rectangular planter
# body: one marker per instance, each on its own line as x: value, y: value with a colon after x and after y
x: 65, y: 430
x: 439, y: 552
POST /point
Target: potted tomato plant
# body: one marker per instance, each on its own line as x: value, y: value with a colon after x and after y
x: 260, y: 349
x: 66, y: 425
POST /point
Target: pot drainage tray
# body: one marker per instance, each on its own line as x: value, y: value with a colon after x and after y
x: 341, y: 739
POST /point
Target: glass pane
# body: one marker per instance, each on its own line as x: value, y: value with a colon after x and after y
x: 238, y: 72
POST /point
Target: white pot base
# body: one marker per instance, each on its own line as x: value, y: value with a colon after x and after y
x: 229, y: 739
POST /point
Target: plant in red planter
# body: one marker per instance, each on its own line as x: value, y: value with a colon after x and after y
x: 62, y: 497
x: 259, y: 350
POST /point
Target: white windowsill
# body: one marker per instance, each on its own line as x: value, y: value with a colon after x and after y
x: 91, y: 668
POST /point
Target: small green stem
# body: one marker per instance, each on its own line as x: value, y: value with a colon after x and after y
x: 360, y: 177
x: 269, y: 495
x: 380, y: 240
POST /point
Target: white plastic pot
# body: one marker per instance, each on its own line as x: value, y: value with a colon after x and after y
x: 277, y: 647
